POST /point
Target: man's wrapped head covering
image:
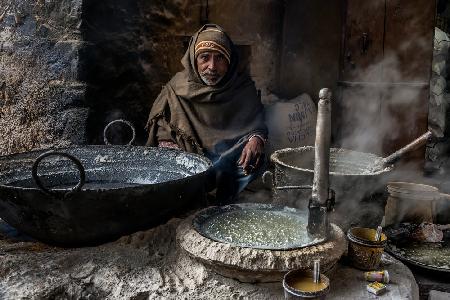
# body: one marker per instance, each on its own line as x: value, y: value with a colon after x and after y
x: 213, y: 39
x: 220, y: 40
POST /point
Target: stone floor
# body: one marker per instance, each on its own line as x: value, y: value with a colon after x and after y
x: 145, y: 265
x: 150, y: 265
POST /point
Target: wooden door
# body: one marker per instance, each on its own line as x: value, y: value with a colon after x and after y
x: 384, y: 76
x: 408, y: 53
x: 359, y: 101
x: 363, y: 40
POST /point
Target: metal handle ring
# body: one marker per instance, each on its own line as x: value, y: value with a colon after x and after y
x: 46, y: 190
x: 105, y: 139
x: 267, y: 178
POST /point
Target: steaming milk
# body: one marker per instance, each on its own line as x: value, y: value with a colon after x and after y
x: 259, y: 228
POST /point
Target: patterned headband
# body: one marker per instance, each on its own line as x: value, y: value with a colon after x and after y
x: 211, y: 45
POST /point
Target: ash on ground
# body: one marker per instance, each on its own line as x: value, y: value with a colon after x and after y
x: 145, y: 265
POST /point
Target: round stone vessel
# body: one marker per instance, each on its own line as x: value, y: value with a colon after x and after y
x: 248, y: 264
x: 256, y: 225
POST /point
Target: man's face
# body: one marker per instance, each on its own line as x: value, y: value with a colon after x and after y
x: 212, y: 66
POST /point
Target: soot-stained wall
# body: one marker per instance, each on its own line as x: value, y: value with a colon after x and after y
x: 41, y: 96
x: 135, y: 47
x: 69, y: 67
x: 125, y: 62
x: 311, y: 44
x: 65, y: 60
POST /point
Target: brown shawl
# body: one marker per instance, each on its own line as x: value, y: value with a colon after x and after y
x: 200, y: 117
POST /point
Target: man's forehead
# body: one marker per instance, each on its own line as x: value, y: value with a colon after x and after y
x: 211, y: 52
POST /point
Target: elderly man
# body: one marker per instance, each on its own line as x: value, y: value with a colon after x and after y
x: 212, y: 109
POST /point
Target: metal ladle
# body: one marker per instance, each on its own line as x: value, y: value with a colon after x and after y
x: 394, y: 157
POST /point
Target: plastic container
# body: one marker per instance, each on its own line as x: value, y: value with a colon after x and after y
x: 364, y: 252
x: 299, y: 284
x: 380, y: 276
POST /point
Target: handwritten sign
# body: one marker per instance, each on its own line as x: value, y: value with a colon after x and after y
x: 291, y: 123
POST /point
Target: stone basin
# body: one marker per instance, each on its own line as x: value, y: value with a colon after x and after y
x: 257, y: 265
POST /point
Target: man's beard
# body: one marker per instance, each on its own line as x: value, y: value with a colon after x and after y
x: 210, y: 78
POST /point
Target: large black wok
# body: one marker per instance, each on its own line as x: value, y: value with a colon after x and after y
x: 115, y: 191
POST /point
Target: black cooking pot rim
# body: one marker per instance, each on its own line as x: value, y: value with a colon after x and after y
x: 208, y: 165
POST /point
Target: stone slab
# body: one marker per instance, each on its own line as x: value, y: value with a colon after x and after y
x: 437, y: 295
x: 348, y: 283
x: 429, y: 280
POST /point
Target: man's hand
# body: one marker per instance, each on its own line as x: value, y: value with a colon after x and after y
x: 251, y: 154
x: 168, y: 144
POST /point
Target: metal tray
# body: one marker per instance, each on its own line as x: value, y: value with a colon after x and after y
x: 432, y: 256
x: 254, y: 225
